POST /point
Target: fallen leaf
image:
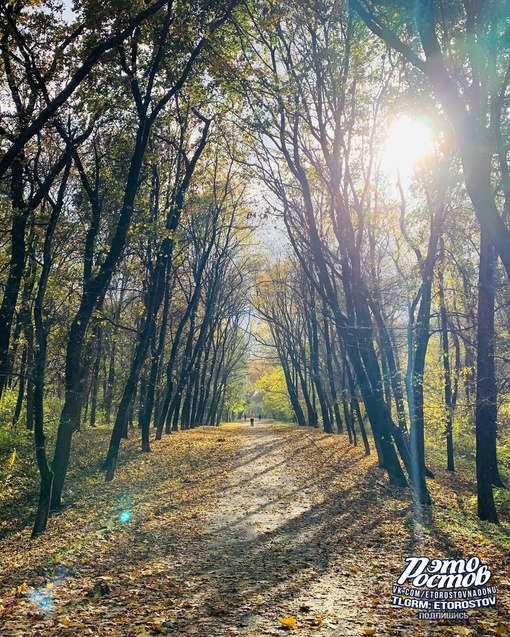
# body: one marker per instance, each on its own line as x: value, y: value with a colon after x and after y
x: 288, y: 622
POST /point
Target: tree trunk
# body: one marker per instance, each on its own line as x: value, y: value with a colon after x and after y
x: 293, y: 392
x: 331, y: 376
x: 450, y: 464
x: 94, y: 383
x: 486, y: 395
x: 128, y: 396
x: 314, y: 359
x: 16, y: 266
x: 47, y: 477
x: 147, y: 409
x: 355, y: 407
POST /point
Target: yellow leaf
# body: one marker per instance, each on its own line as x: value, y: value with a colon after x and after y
x: 288, y: 622
x: 368, y: 631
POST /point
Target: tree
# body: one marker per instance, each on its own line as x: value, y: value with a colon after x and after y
x: 46, y: 473
x: 275, y: 398
x: 470, y: 58
x: 468, y: 72
x: 210, y: 273
x: 26, y: 39
x: 40, y: 81
x: 154, y: 297
x: 304, y: 116
x: 149, y: 97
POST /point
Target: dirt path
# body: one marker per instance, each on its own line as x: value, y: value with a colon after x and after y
x: 299, y: 534
x: 261, y: 557
x: 226, y: 532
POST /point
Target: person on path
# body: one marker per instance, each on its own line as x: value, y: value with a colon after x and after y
x: 252, y: 419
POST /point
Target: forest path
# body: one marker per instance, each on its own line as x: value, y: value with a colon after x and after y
x: 264, y: 554
x: 307, y: 530
x: 224, y: 532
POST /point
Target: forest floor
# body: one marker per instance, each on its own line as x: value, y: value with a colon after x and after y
x: 239, y: 531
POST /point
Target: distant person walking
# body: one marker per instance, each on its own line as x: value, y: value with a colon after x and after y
x: 252, y: 419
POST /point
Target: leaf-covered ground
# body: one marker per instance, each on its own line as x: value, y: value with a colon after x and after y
x: 239, y: 531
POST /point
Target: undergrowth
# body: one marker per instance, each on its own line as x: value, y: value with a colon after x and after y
x: 19, y: 476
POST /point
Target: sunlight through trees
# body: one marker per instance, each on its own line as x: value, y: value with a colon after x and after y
x: 189, y: 188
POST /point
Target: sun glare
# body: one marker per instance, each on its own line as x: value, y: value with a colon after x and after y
x: 407, y: 142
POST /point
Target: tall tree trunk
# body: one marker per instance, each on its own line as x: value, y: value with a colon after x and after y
x: 486, y: 406
x: 20, y: 213
x: 310, y: 410
x: 110, y: 374
x: 174, y: 390
x: 47, y: 477
x: 124, y: 412
x: 171, y: 393
x: 331, y: 376
x: 157, y: 351
x: 351, y: 389
x: 361, y: 351
x: 314, y: 359
x: 127, y: 400
x: 394, y: 382
x: 94, y: 382
x: 292, y: 390
x: 450, y: 464
x: 25, y: 326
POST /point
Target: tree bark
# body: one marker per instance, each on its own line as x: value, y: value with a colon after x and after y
x: 486, y: 406
x: 16, y: 267
x: 47, y: 476
x: 450, y: 464
x: 331, y: 376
